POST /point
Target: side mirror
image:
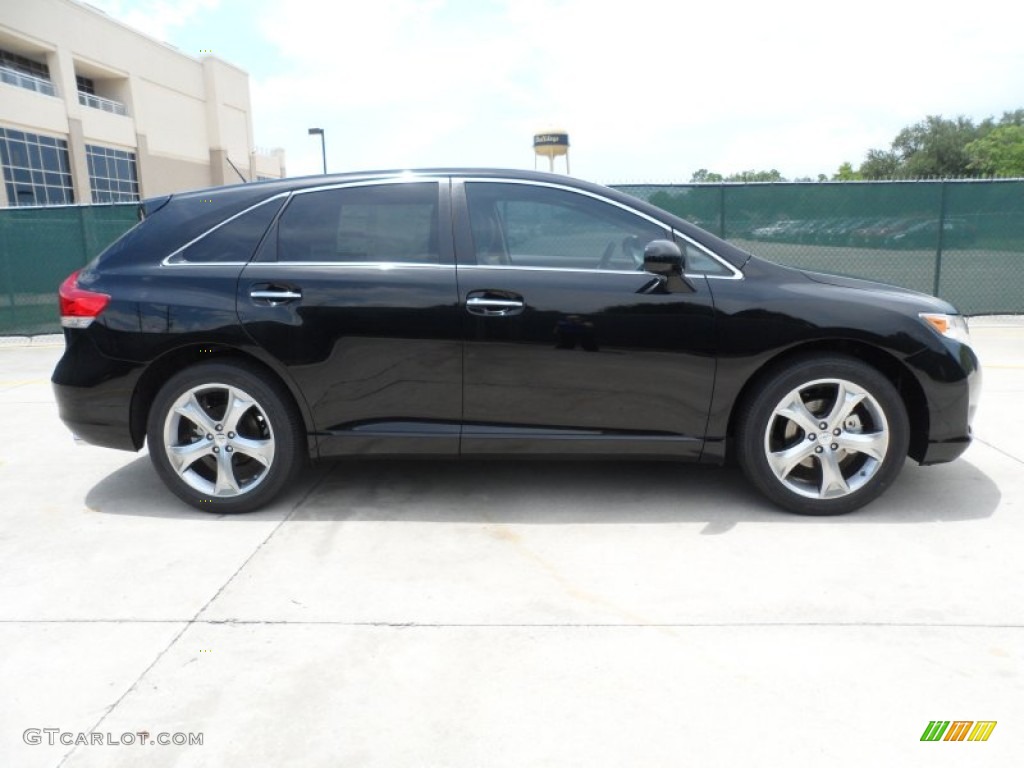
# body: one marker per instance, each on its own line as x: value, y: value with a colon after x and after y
x: 663, y: 257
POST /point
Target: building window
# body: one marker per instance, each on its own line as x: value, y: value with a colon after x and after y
x: 112, y: 175
x: 28, y: 66
x: 36, y: 169
x: 25, y: 73
x: 86, y: 85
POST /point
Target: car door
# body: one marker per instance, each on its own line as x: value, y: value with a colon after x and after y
x: 353, y: 291
x: 570, y: 346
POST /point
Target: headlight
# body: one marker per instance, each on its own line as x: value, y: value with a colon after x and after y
x: 951, y: 326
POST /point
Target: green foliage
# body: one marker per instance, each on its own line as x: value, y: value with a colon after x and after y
x: 938, y: 147
x: 748, y: 176
x: 1000, y: 152
x: 935, y: 147
x: 704, y: 176
x: 1012, y: 118
x: 845, y: 173
x: 880, y: 164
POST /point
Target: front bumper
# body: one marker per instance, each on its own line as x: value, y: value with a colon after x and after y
x: 947, y: 450
x: 952, y: 385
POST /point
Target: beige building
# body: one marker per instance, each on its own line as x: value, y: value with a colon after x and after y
x: 92, y: 111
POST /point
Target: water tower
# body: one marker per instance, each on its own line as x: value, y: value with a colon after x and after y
x: 551, y: 144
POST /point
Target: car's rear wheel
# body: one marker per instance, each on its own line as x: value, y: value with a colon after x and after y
x: 224, y: 437
x: 823, y: 435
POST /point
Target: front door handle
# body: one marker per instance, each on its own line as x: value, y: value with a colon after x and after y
x: 492, y: 306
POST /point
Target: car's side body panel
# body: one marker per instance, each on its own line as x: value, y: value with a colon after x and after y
x: 561, y: 376
x: 377, y: 351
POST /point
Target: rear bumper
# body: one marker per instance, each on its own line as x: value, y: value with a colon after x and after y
x: 94, y: 394
x: 103, y: 426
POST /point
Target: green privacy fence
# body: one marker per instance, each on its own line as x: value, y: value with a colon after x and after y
x: 39, y: 247
x: 961, y: 240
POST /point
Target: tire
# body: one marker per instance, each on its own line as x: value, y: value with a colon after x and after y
x: 222, y: 459
x: 809, y: 469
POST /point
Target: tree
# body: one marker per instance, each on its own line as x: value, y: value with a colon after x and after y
x: 748, y: 176
x: 1000, y: 152
x: 936, y: 147
x: 704, y: 176
x: 880, y: 164
x: 846, y: 173
x: 1012, y: 118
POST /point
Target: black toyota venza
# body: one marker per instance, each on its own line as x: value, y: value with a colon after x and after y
x: 242, y: 330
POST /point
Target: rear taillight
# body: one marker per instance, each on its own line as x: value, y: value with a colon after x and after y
x: 79, y: 307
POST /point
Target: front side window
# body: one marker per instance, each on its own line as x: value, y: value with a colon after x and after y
x: 527, y: 225
x: 698, y: 262
x: 385, y: 223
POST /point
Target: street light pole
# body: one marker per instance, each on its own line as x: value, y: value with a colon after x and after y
x: 323, y: 144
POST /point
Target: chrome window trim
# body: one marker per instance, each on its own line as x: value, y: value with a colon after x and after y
x: 166, y: 262
x: 175, y: 264
x: 735, y: 274
x: 384, y: 266
x: 556, y: 269
x: 389, y: 180
x: 411, y: 179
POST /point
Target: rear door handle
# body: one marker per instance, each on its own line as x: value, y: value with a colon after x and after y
x: 274, y: 294
x: 489, y: 306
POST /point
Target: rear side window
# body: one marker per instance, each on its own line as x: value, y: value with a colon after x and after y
x: 372, y: 224
x: 233, y: 241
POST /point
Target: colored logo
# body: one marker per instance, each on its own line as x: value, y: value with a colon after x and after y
x: 958, y: 730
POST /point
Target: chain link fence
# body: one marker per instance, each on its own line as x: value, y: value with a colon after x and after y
x: 39, y: 247
x: 961, y: 240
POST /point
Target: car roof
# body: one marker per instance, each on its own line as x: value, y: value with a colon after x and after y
x: 273, y: 186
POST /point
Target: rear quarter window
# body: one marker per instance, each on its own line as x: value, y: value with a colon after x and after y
x: 234, y: 241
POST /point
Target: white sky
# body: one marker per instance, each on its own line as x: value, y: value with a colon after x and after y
x: 649, y: 90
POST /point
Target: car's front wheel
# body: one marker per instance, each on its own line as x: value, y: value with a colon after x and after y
x: 224, y: 437
x: 823, y: 435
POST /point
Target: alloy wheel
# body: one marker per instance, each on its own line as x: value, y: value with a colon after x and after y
x: 218, y: 439
x: 826, y: 438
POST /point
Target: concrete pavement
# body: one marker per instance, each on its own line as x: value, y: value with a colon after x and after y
x: 507, y: 614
